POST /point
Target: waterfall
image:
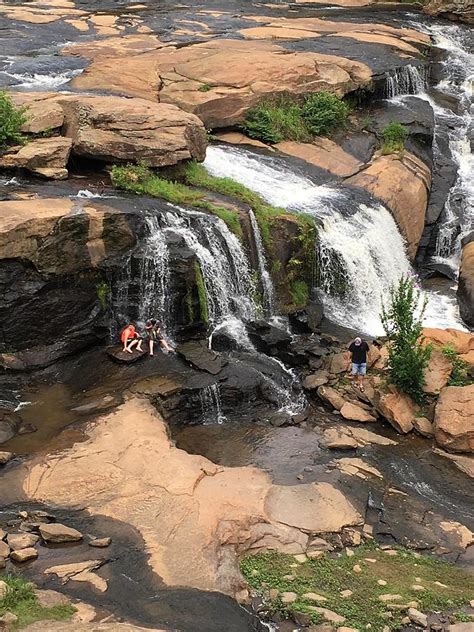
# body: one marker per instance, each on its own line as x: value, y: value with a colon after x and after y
x: 266, y: 279
x: 405, y: 80
x: 224, y: 265
x: 211, y: 407
x: 361, y: 253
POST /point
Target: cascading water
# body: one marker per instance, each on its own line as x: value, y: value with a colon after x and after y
x: 266, y: 279
x: 361, y: 252
x: 406, y: 80
x: 211, y: 407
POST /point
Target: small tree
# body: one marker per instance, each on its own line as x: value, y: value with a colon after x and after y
x: 408, y: 357
x: 11, y: 120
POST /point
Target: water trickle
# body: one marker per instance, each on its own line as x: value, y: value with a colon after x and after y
x: 265, y: 278
x: 406, y: 80
x: 211, y: 407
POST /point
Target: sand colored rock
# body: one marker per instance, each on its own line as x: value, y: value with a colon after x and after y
x: 21, y: 540
x: 123, y: 45
x: 454, y: 419
x: 403, y: 184
x: 396, y: 408
x: 312, y: 382
x: 353, y: 412
x: 237, y: 138
x: 339, y: 362
x: 437, y: 373
x: 461, y: 461
x: 323, y: 153
x: 461, y: 341
x: 357, y: 467
x: 79, y: 572
x: 461, y: 534
x: 24, y: 555
x: 330, y: 395
x: 238, y: 73
x: 459, y: 11
x: 465, y: 290
x: 423, y: 426
x: 208, y: 513
x: 47, y: 157
x: 59, y: 533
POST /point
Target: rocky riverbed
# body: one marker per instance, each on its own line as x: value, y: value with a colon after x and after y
x: 150, y: 491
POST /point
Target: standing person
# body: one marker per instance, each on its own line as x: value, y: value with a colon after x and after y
x: 359, y: 349
x: 130, y: 339
x: 153, y: 334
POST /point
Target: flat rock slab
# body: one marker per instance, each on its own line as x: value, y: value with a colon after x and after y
x: 200, y: 356
x: 318, y: 507
x: 116, y: 354
x: 56, y: 532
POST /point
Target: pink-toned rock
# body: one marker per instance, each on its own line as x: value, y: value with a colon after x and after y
x: 423, y: 426
x: 331, y: 396
x: 47, y: 157
x: 437, y: 373
x: 339, y: 362
x: 454, y: 419
x: 352, y: 412
x: 397, y: 409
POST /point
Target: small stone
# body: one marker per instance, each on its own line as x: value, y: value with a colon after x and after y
x: 4, y: 549
x: 357, y: 568
x: 23, y: 515
x: 3, y: 589
x: 9, y: 618
x: 370, y: 560
x: 51, y: 598
x: 444, y: 586
x: 344, y: 629
x: 320, y: 544
x: 3, y: 562
x: 21, y: 540
x: 300, y: 477
x: 301, y: 618
x: 58, y: 533
x: 24, y: 555
x: 254, y: 572
x: 381, y: 582
x: 5, y: 457
x: 346, y: 593
x: 418, y: 580
x: 288, y: 597
x: 314, y: 597
x: 388, y: 597
x: 308, y: 468
x: 351, y: 537
x: 406, y: 620
x: 471, y: 603
x: 288, y: 578
x: 301, y: 558
x: 293, y: 565
x: 436, y: 627
x: 273, y: 593
x: 417, y: 588
x: 391, y: 552
x: 100, y: 543
x: 315, y: 555
x: 417, y: 617
x: 349, y: 552
x: 329, y: 615
x: 368, y: 529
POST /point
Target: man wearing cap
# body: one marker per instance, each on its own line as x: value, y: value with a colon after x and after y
x: 359, y: 349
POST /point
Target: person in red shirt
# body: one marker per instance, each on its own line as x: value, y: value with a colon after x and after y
x: 130, y: 339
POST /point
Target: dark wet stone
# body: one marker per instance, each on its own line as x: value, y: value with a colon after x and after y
x: 10, y: 423
x: 118, y: 355
x: 267, y: 337
x: 200, y: 356
x: 26, y: 428
x: 307, y: 320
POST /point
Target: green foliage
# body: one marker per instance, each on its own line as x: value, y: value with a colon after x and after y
x: 201, y: 288
x: 21, y: 601
x: 11, y: 120
x: 204, y: 88
x: 285, y: 118
x: 103, y: 291
x: 324, y: 112
x: 328, y: 576
x: 408, y: 357
x: 394, y: 137
x: 459, y: 371
x: 299, y: 291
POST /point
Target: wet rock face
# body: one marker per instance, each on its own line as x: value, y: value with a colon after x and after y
x: 457, y: 10
x: 466, y: 281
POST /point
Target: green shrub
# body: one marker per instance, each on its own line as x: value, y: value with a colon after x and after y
x: 11, y: 120
x: 459, y: 371
x: 285, y: 118
x: 394, y: 137
x: 324, y: 112
x: 408, y: 357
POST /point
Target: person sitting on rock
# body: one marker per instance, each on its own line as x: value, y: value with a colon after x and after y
x: 130, y: 339
x: 153, y: 334
x: 359, y: 349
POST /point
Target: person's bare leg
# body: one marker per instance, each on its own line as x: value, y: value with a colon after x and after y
x: 130, y: 345
x: 151, y: 345
x: 165, y: 345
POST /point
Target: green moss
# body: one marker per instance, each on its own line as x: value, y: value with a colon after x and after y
x: 394, y: 137
x: 287, y: 118
x: 201, y: 288
x: 103, y: 292
x: 299, y: 291
x: 329, y: 576
x: 21, y: 601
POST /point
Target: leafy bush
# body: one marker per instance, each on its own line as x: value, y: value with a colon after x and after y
x: 459, y: 371
x: 285, y: 118
x: 394, y: 138
x: 408, y: 357
x: 324, y: 112
x: 11, y: 120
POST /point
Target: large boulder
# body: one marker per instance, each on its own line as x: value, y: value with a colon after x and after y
x: 454, y: 419
x: 457, y: 10
x: 403, y: 184
x: 437, y: 373
x: 396, y: 408
x: 116, y: 129
x: 466, y: 281
x: 221, y: 79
